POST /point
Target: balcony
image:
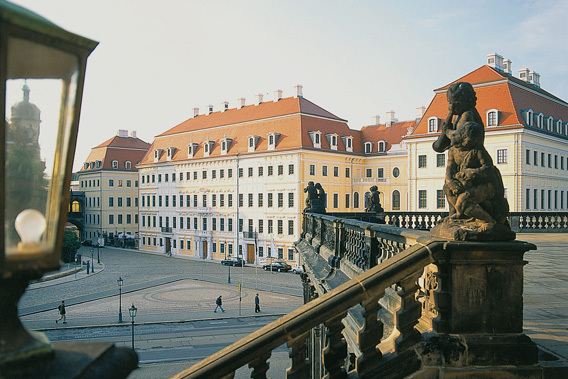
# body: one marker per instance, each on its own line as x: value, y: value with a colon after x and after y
x: 249, y: 235
x: 167, y: 229
x: 370, y: 180
x: 383, y: 301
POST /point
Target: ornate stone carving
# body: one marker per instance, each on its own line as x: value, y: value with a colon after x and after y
x: 473, y: 185
x: 315, y: 202
x: 373, y: 202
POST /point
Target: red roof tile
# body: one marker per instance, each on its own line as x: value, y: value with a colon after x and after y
x: 121, y: 149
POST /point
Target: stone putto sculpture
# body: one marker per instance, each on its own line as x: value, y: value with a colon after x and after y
x: 372, y: 201
x: 473, y: 185
x: 315, y: 202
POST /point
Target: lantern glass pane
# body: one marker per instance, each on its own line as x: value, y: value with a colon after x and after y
x: 40, y: 95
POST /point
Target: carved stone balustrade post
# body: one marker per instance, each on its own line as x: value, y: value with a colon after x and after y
x: 335, y: 352
x: 300, y: 368
x: 406, y: 317
x: 260, y: 365
x: 368, y: 337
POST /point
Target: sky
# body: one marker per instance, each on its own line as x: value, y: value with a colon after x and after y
x: 156, y: 61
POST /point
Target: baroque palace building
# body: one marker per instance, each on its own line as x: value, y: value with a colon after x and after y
x: 216, y: 182
x: 109, y: 180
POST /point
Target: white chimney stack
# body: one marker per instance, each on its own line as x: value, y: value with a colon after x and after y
x: 241, y: 102
x: 534, y: 78
x: 524, y: 74
x: 298, y: 89
x: 277, y: 95
x: 210, y: 109
x: 133, y: 134
x: 259, y: 98
x: 507, y: 68
x: 376, y: 120
x: 390, y: 118
x: 496, y: 61
x: 122, y: 133
x: 224, y: 106
x: 420, y: 112
x: 195, y: 112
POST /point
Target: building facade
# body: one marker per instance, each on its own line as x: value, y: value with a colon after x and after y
x: 109, y: 181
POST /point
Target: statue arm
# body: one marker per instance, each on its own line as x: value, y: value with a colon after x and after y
x: 443, y: 142
x: 451, y: 170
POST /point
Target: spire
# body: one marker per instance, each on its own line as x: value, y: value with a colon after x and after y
x: 26, y: 91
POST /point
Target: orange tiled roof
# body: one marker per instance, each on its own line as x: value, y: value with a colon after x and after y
x: 505, y: 93
x: 392, y: 134
x: 121, y: 149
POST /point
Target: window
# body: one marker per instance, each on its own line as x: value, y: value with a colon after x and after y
x: 204, y: 200
x: 381, y: 146
x: 250, y: 172
x: 270, y: 227
x: 290, y: 254
x: 542, y: 159
x: 270, y: 197
x: 204, y: 220
x: 396, y: 172
x: 213, y: 174
x: 204, y: 174
x: 240, y: 172
x: 369, y: 173
x: 222, y: 200
x: 230, y: 200
x: 368, y: 147
x: 214, y: 200
x: 290, y: 169
x: 502, y: 156
x: 222, y: 224
x: 280, y: 227
x: 214, y: 223
x: 535, y: 201
x: 280, y: 253
x: 240, y: 200
x: 380, y: 173
x: 549, y: 160
x: 260, y: 171
x: 440, y: 199
x: 111, y: 183
x: 280, y: 199
x: 221, y: 174
x: 260, y: 200
x: 128, y: 202
x: 347, y: 172
x: 290, y: 227
x: 250, y: 197
x: 440, y: 160
x: 229, y: 173
x: 562, y: 163
x: 492, y: 117
x: 129, y: 183
x: 527, y: 198
x: 347, y: 200
x: 556, y: 161
x: 111, y: 201
x: 422, y: 203
x: 421, y: 161
x: 261, y: 226
x: 280, y: 170
x: 290, y: 199
x: 527, y: 156
x: 195, y: 201
x: 111, y: 219
x: 312, y: 169
x: 356, y: 200
x: 433, y: 124
x: 270, y: 170
x: 119, y: 219
x: 336, y: 200
x: 335, y: 171
x: 114, y: 164
x: 120, y: 182
x: 396, y: 200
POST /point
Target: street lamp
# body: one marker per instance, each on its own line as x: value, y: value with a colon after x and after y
x: 35, y: 172
x: 120, y: 281
x: 132, y: 311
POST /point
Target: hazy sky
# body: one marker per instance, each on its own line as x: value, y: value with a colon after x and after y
x: 158, y: 60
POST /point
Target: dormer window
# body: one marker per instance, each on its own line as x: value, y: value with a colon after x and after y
x: 114, y: 164
x: 272, y: 140
x: 170, y: 153
x: 368, y: 147
x: 540, y: 120
x: 225, y: 145
x: 492, y: 117
x: 558, y: 127
x: 529, y: 117
x: 92, y: 165
x: 86, y: 166
x: 191, y: 149
x: 348, y: 142
x: 549, y: 122
x: 332, y: 140
x: 433, y: 124
x: 128, y: 165
x: 382, y: 146
x: 157, y: 154
x: 98, y: 164
x: 252, y: 142
x: 207, y: 147
x: 316, y: 138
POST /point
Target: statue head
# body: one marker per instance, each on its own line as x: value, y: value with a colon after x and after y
x: 374, y: 188
x: 461, y: 97
x: 310, y: 183
x: 318, y: 185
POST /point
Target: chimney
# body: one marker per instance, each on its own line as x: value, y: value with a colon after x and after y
x: 298, y: 91
x: 259, y: 98
x: 534, y: 79
x: 209, y: 109
x: 496, y: 61
x: 420, y: 112
x: 524, y: 74
x: 390, y: 119
x: 376, y: 120
x: 507, y: 69
x: 195, y: 112
x: 122, y: 133
x: 224, y: 106
x: 133, y: 134
x: 277, y: 95
x: 241, y: 102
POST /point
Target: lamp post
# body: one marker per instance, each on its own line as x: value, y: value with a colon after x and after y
x: 37, y: 56
x: 132, y: 311
x: 120, y: 282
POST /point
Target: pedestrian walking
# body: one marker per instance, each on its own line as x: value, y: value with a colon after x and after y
x: 256, y: 304
x: 219, y: 302
x: 61, y: 309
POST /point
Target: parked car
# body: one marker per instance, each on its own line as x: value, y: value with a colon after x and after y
x: 298, y: 269
x: 233, y: 261
x: 277, y: 266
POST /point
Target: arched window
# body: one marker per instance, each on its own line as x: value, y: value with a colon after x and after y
x: 382, y: 146
x: 492, y: 117
x: 115, y: 164
x: 433, y: 124
x: 75, y: 206
x: 128, y: 165
x: 356, y: 200
x: 529, y: 117
x: 395, y: 200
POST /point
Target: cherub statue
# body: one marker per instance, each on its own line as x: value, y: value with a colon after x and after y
x: 373, y: 201
x: 315, y: 202
x: 312, y: 194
